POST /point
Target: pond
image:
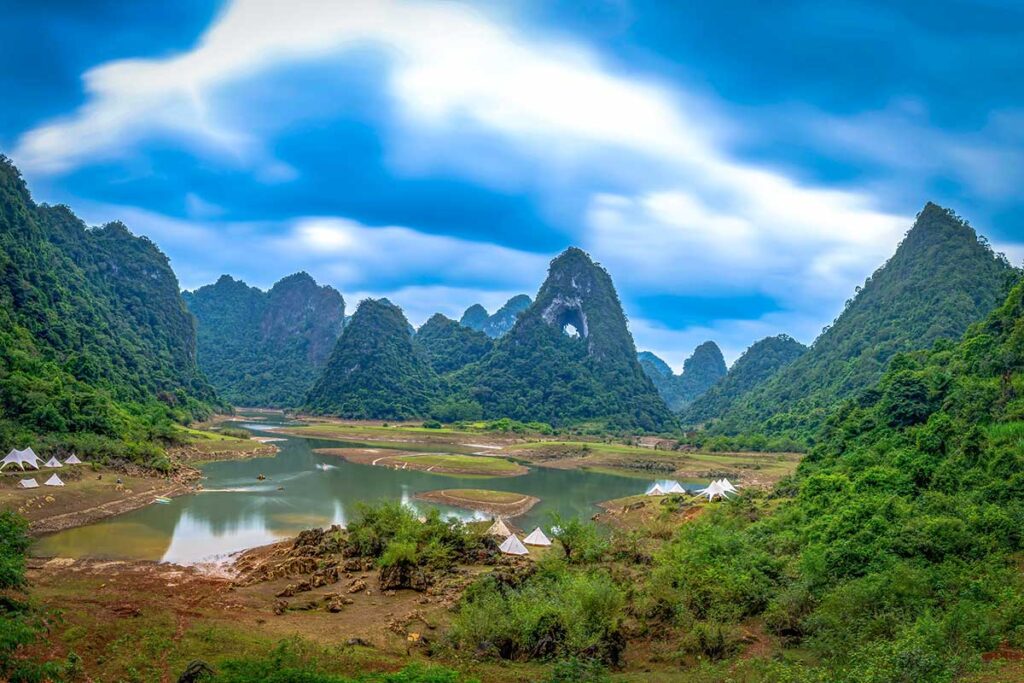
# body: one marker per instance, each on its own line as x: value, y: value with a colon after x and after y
x: 236, y: 511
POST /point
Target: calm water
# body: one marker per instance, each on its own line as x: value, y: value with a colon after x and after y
x: 236, y: 511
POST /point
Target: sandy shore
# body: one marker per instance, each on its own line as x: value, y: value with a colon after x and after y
x: 464, y: 498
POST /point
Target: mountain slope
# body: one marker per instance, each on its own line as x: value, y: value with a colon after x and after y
x: 701, y: 371
x: 497, y: 325
x: 92, y: 326
x: 376, y: 370
x: 541, y: 372
x: 265, y: 348
x: 939, y: 281
x: 758, y: 363
x: 449, y: 345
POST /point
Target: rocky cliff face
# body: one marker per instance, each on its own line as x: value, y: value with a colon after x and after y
x: 266, y: 348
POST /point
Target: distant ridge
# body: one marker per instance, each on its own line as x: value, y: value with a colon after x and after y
x: 701, y: 371
x: 762, y: 360
x: 497, y: 325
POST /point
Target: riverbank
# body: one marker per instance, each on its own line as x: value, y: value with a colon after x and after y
x: 92, y: 493
x: 498, y: 503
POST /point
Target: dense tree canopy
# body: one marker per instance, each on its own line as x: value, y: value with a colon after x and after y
x: 449, y: 345
x: 94, y: 337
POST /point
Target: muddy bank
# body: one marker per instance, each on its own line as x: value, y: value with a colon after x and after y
x: 438, y: 463
x: 467, y: 500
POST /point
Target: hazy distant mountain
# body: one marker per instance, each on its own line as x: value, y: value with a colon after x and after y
x: 266, y: 348
x: 701, y: 371
x: 568, y: 358
x: 494, y: 326
x: 758, y: 363
x: 377, y: 370
x: 940, y: 280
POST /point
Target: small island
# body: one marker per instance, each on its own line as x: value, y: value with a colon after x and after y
x: 437, y: 463
x: 503, y: 503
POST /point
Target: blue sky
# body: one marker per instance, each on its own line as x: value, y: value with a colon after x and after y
x: 737, y: 166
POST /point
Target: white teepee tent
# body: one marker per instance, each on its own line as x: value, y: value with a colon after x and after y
x: 727, y: 486
x: 28, y: 484
x: 53, y: 462
x: 655, y: 491
x: 537, y: 537
x: 675, y: 488
x: 513, y: 546
x: 73, y: 460
x: 499, y: 529
x: 54, y: 481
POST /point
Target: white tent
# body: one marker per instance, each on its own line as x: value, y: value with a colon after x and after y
x: 675, y: 488
x: 21, y: 458
x: 713, y: 490
x: 53, y: 462
x: 655, y: 491
x: 537, y: 537
x: 29, y: 457
x: 727, y: 486
x: 54, y: 481
x: 28, y: 484
x: 513, y: 546
x: 499, y: 529
x: 73, y: 460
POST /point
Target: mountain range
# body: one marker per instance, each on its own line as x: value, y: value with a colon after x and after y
x: 265, y: 348
x: 701, y: 371
x: 477, y: 318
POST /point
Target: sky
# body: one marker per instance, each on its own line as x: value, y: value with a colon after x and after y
x: 738, y: 167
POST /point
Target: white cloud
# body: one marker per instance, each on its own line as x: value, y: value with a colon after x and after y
x: 704, y: 222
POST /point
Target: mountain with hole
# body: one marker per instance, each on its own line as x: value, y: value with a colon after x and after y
x: 569, y: 358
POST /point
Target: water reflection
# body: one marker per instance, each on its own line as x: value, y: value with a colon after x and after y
x: 237, y: 510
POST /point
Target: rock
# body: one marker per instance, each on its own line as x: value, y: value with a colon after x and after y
x: 280, y: 607
x: 357, y: 641
x: 356, y: 586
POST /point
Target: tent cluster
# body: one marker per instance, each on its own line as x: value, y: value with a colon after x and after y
x: 663, y: 490
x: 29, y: 458
x: 720, y: 488
x: 512, y: 545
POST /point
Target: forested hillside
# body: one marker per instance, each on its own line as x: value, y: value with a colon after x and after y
x: 494, y: 326
x: 95, y: 340
x: 449, y: 345
x: 762, y: 360
x: 895, y: 552
x: 942, y: 278
x: 265, y: 348
x: 569, y: 358
x: 377, y: 370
